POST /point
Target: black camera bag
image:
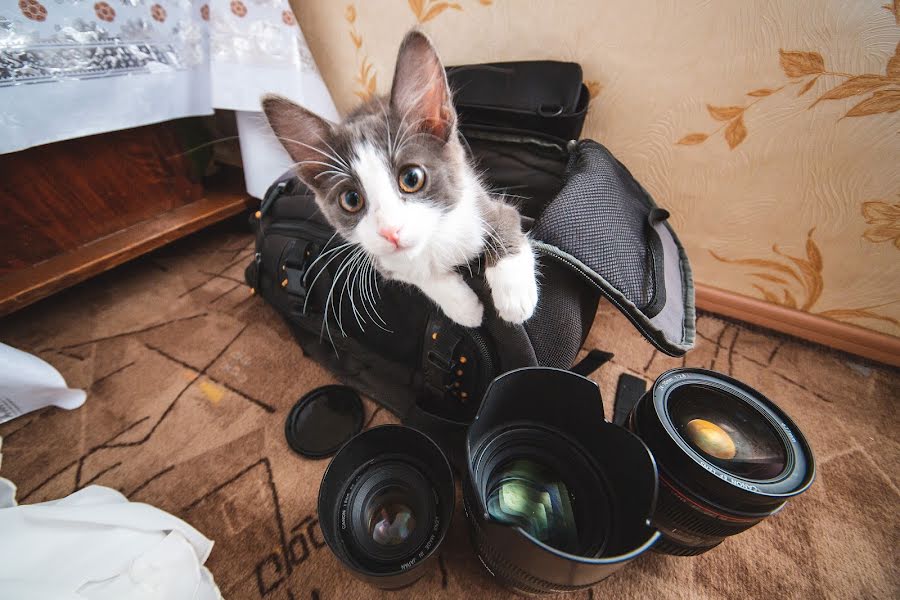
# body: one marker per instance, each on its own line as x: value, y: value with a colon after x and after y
x: 596, y: 232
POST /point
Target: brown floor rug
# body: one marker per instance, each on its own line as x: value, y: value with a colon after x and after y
x: 189, y: 379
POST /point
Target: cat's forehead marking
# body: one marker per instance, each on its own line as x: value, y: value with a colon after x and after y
x: 374, y: 174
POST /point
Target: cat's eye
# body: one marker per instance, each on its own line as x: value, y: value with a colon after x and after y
x: 411, y: 178
x: 351, y: 201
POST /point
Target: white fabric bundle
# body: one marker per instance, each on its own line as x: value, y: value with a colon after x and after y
x: 96, y: 544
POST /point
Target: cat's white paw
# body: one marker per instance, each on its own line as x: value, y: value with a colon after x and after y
x: 467, y: 311
x: 458, y: 301
x: 514, y: 286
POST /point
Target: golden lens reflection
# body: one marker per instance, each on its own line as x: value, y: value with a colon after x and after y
x: 711, y: 439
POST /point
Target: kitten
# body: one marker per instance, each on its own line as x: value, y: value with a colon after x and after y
x: 394, y: 179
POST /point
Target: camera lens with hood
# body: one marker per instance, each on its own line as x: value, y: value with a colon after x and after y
x: 557, y: 498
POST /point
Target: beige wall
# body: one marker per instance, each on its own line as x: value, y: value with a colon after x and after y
x: 768, y: 129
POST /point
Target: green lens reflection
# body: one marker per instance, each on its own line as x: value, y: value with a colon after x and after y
x: 528, y: 495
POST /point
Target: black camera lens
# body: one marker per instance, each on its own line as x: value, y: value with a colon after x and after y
x: 727, y: 456
x: 557, y: 498
x: 385, y: 504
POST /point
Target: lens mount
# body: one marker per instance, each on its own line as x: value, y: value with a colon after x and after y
x: 384, y: 512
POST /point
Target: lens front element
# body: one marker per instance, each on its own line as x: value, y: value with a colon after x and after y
x: 527, y: 494
x: 728, y: 432
x: 391, y: 522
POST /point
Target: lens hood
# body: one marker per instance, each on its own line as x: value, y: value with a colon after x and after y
x: 555, y: 418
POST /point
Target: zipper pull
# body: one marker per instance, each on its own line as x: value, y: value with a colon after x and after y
x: 271, y: 195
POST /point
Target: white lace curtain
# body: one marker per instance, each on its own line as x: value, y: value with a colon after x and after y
x: 70, y: 68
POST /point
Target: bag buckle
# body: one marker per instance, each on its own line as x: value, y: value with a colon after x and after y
x: 294, y: 269
x: 441, y: 342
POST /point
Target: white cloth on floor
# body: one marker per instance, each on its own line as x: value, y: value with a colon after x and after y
x: 28, y: 383
x: 95, y: 544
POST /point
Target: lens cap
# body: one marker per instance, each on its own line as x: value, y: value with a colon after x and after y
x: 322, y: 420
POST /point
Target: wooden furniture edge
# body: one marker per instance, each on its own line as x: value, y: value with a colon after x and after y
x: 26, y: 286
x: 870, y: 344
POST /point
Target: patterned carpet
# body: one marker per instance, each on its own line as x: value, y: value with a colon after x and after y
x: 189, y: 380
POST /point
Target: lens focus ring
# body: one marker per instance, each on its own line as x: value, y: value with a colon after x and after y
x: 675, y: 517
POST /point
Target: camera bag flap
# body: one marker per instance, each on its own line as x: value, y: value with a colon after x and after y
x: 543, y: 96
x: 604, y: 226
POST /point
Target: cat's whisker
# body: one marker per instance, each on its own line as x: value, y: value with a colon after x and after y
x: 361, y: 274
x: 317, y: 162
x: 372, y: 278
x: 387, y: 127
x: 347, y: 274
x: 374, y: 273
x: 333, y: 235
x: 329, y: 299
x: 323, y: 251
x: 459, y: 255
x: 351, y: 277
x: 314, y: 149
x: 463, y: 139
x: 204, y: 145
x: 324, y: 328
x: 337, y: 155
x: 367, y: 297
x: 324, y: 268
x: 325, y: 246
x: 357, y: 271
x: 333, y: 174
x: 403, y: 139
x: 345, y: 271
x: 401, y: 134
x: 491, y: 236
x: 339, y: 302
x: 488, y: 231
x: 505, y: 194
x: 330, y: 177
x: 409, y: 139
x: 323, y: 255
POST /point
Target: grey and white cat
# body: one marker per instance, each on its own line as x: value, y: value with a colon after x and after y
x: 394, y: 179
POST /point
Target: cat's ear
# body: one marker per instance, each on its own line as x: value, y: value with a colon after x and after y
x: 302, y: 133
x: 420, y: 91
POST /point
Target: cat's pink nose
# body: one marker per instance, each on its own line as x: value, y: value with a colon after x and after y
x: 391, y: 234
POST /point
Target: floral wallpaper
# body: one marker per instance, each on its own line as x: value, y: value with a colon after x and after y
x: 770, y: 130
